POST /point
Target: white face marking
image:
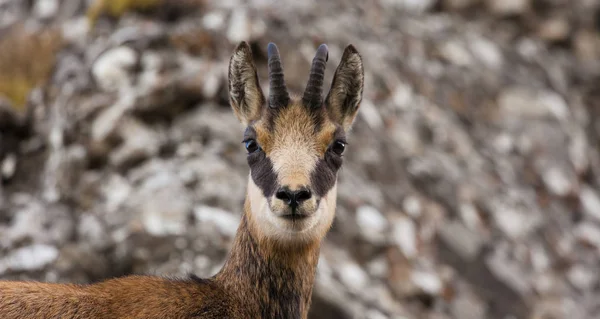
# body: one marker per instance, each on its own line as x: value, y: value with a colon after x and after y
x: 283, y: 230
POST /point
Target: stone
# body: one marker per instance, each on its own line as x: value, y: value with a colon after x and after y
x: 412, y: 206
x: 466, y: 306
x: 557, y: 181
x: 413, y: 6
x: 514, y: 222
x: 404, y: 234
x: 590, y: 202
x: 508, y: 7
x: 428, y: 282
x: 578, y: 152
x: 378, y: 267
x: 91, y: 230
x: 225, y: 222
x: 353, y: 276
x: 371, y: 223
x: 588, y: 233
x: 8, y: 166
x: 370, y: 114
x: 456, y: 53
x: 112, y: 68
x: 526, y: 103
x: 506, y: 270
x: 375, y: 314
x: 581, y: 277
x: 403, y: 96
x: 38, y: 222
x: 213, y: 20
x: 459, y: 4
x: 239, y: 26
x: 30, y: 258
x: 139, y: 142
x: 164, y: 205
x: 46, y: 9
x: 587, y: 45
x: 106, y: 123
x: 115, y: 190
x: 463, y: 241
x: 554, y: 30
x: 486, y: 51
x: 75, y: 30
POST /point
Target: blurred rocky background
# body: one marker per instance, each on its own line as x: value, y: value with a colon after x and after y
x: 470, y: 188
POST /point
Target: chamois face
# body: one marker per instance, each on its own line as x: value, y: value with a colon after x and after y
x: 294, y: 145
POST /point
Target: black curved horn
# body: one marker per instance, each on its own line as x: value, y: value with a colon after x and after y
x: 278, y: 94
x: 313, y: 94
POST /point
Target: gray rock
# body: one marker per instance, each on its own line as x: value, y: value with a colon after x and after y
x: 214, y: 20
x: 508, y: 7
x: 467, y: 306
x: 456, y: 52
x: 588, y: 233
x: 556, y: 29
x: 8, y: 166
x: 106, y: 123
x: 412, y: 206
x: 582, y: 277
x: 353, y: 276
x: 427, y: 281
x: 91, y: 230
x: 590, y: 201
x: 371, y: 223
x: 239, y: 26
x: 486, y: 51
x: 558, y: 181
x: 516, y: 222
x: 46, y: 9
x: 525, y: 103
x: 404, y: 234
x: 163, y: 204
x: 459, y: 4
x: 507, y: 270
x: 139, y: 142
x: 29, y: 258
x: 414, y: 6
x: 465, y: 242
x: 225, y: 222
x: 112, y: 69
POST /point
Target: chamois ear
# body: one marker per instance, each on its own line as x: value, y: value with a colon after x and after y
x: 345, y: 95
x: 245, y: 95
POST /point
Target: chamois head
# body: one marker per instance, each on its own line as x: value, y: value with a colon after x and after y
x: 294, y: 144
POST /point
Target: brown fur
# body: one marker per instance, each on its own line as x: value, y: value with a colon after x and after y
x: 271, y: 267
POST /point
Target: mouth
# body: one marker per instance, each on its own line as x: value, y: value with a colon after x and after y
x: 294, y: 214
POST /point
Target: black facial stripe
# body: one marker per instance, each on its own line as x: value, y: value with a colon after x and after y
x: 324, y: 175
x: 263, y: 175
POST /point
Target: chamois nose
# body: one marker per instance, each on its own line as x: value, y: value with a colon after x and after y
x: 293, y: 197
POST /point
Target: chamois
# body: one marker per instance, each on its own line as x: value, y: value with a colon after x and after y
x: 294, y: 150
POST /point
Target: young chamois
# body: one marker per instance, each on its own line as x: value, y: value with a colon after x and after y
x: 294, y: 150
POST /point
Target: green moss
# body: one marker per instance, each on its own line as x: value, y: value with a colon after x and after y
x: 26, y: 61
x: 116, y: 8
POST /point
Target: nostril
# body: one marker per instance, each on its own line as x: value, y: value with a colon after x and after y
x: 284, y: 195
x: 303, y: 195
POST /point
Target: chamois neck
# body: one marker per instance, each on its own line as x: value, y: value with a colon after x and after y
x: 269, y: 279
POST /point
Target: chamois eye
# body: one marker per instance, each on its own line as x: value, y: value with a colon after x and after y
x: 251, y: 146
x: 338, y: 147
